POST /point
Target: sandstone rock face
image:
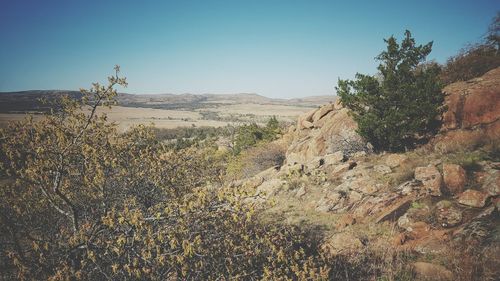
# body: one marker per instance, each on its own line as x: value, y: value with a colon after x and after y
x: 334, y: 158
x: 307, y: 117
x: 454, y: 178
x: 321, y: 112
x: 340, y: 169
x: 473, y: 198
x: 491, y: 182
x: 394, y: 211
x: 307, y: 124
x: 473, y: 112
x: 320, y: 132
x: 430, y: 178
x: 483, y: 107
x: 429, y: 271
x: 327, y: 160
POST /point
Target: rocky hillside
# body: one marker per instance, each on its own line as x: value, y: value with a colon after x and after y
x: 427, y: 203
x: 473, y: 113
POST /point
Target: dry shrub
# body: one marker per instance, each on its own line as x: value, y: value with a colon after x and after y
x: 263, y: 157
x: 256, y: 159
x: 471, y: 62
x: 472, y: 262
x: 349, y: 142
x: 373, y: 262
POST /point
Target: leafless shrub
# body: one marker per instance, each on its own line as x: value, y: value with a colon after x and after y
x: 349, y: 142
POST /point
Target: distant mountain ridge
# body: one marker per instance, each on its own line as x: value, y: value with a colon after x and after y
x: 23, y: 101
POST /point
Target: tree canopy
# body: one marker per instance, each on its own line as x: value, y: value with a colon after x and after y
x: 398, y: 108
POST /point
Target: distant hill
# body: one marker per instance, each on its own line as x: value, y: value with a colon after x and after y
x: 24, y: 101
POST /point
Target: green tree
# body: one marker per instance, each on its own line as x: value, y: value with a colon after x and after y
x: 398, y: 108
x: 272, y: 129
x: 250, y: 135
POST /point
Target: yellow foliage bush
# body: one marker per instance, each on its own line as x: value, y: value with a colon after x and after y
x: 81, y: 201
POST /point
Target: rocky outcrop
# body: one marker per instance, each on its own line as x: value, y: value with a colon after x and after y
x: 431, y: 179
x: 323, y: 131
x: 472, y: 113
x: 473, y: 198
x: 330, y: 179
x: 454, y: 178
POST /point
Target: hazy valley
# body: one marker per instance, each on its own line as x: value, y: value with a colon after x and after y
x: 171, y: 111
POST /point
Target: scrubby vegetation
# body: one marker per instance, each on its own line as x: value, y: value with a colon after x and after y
x: 252, y: 149
x: 81, y: 201
x: 238, y: 138
x: 184, y: 137
x: 399, y: 108
x: 250, y: 135
x: 476, y: 59
x: 255, y: 159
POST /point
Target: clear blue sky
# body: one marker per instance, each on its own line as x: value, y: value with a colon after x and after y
x: 273, y: 48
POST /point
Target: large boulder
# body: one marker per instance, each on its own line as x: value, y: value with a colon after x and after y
x: 454, y: 178
x: 394, y: 210
x: 472, y: 112
x: 305, y: 119
x: 334, y: 158
x: 430, y: 178
x: 473, y: 198
x: 321, y: 112
x: 324, y: 136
